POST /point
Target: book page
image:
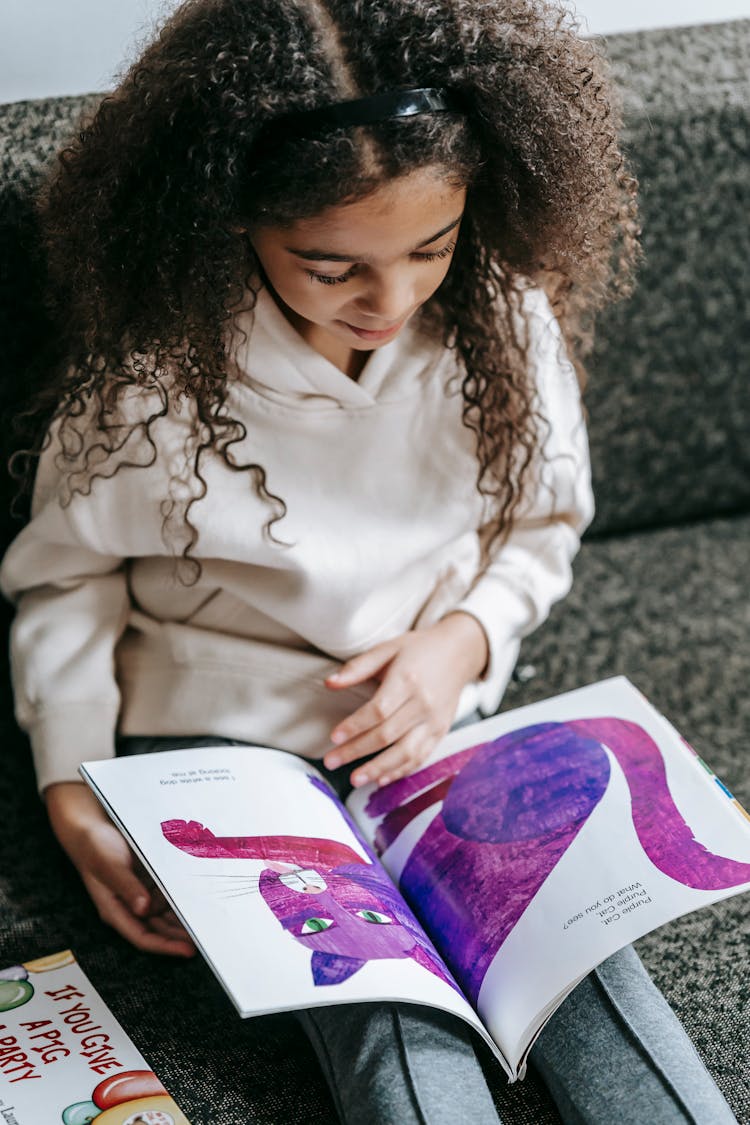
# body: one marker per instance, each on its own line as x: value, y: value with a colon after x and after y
x: 535, y: 844
x: 65, y: 1058
x: 278, y: 889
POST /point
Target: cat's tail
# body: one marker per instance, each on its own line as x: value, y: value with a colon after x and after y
x: 308, y: 851
x: 665, y: 836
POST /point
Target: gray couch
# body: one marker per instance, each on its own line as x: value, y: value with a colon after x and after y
x: 660, y: 593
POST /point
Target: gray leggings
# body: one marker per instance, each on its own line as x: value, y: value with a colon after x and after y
x: 613, y: 1051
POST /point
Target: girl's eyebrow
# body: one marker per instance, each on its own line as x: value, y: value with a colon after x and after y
x: 326, y: 256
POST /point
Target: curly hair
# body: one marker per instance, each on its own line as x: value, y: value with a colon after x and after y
x: 141, y: 214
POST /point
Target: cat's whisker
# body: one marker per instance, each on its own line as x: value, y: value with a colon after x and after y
x: 254, y: 883
x: 240, y: 887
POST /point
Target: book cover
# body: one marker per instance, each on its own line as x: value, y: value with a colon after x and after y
x: 64, y: 1059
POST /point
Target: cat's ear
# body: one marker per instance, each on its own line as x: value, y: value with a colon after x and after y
x: 333, y: 968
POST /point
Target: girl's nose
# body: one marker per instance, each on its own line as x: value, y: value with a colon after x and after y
x: 387, y: 299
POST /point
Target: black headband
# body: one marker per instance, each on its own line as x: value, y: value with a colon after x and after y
x: 368, y: 111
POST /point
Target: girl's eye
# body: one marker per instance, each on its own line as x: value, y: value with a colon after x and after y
x: 337, y: 279
x: 374, y: 916
x: 329, y: 279
x: 446, y: 250
x: 316, y: 925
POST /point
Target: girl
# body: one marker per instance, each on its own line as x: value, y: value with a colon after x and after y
x: 315, y: 461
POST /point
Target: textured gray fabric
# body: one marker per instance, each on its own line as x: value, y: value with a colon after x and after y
x: 32, y: 132
x: 669, y: 608
x: 399, y: 1062
x: 615, y: 1050
x: 668, y: 389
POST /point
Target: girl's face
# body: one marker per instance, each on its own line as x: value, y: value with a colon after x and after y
x: 350, y: 278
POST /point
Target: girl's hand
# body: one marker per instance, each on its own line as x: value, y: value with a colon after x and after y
x: 422, y: 674
x: 121, y: 894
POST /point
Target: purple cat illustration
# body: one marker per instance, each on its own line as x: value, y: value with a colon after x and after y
x: 337, y: 904
x: 510, y: 809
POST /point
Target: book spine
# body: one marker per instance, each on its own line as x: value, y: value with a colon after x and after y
x: 699, y: 762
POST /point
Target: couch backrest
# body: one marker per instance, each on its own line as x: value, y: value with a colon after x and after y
x: 669, y: 388
x: 30, y: 134
x: 669, y: 396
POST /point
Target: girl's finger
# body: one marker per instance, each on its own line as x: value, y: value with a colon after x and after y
x: 122, y: 881
x: 363, y: 666
x: 116, y: 914
x: 159, y: 904
x: 168, y: 927
x: 170, y: 916
x: 379, y: 728
x: 402, y: 758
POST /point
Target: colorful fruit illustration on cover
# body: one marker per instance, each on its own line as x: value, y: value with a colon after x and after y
x: 133, y: 1097
x: 53, y: 961
x: 15, y: 987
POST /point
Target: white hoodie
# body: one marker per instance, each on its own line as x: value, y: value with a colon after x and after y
x: 381, y: 535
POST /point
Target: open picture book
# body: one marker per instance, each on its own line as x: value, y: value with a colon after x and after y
x: 527, y: 849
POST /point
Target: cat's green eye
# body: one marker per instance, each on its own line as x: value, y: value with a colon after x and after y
x: 374, y: 916
x: 315, y: 925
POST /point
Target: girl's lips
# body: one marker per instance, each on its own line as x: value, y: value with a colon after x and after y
x: 365, y: 335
